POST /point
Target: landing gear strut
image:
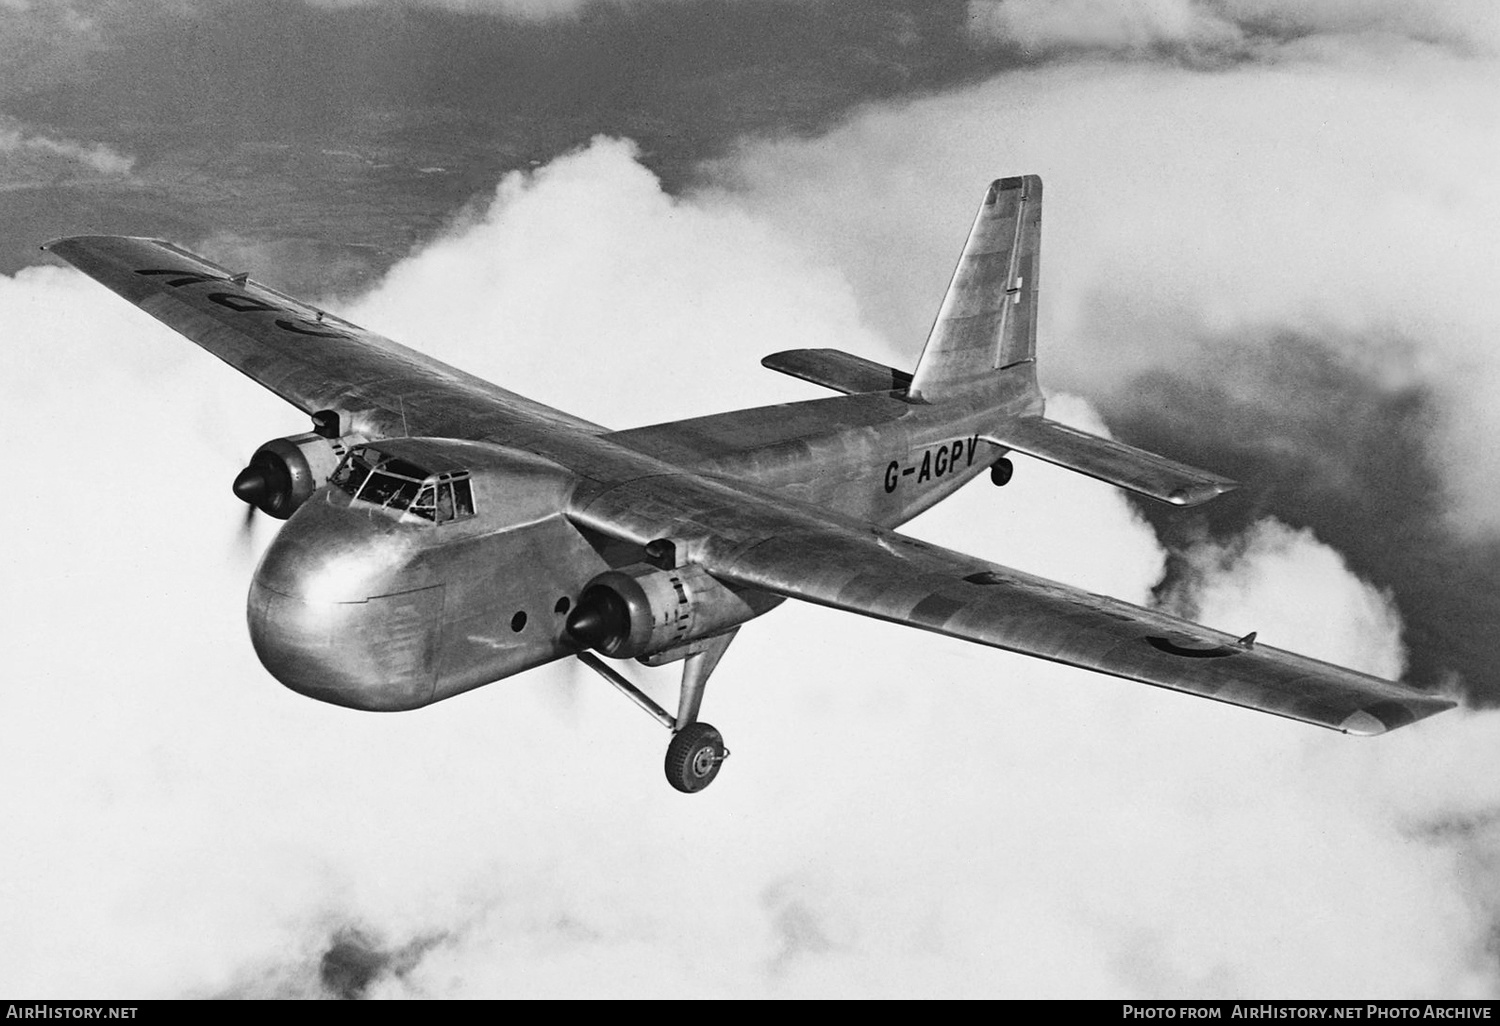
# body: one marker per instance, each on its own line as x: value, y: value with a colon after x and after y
x: 697, y: 749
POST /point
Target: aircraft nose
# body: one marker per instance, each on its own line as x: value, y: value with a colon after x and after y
x: 379, y: 654
x: 332, y: 615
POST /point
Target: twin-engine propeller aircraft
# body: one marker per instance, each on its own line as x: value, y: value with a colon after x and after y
x: 443, y: 533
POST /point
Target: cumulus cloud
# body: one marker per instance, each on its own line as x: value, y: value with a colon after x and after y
x: 1251, y: 576
x: 1263, y: 244
x: 31, y: 154
x: 1286, y: 195
x: 698, y: 292
x: 528, y: 10
x: 1005, y: 827
x: 1235, y: 29
x: 1128, y: 25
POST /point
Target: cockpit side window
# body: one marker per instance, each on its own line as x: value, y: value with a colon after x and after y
x: 448, y: 500
x: 369, y: 475
x: 463, y: 499
x: 424, y: 507
x: 352, y: 472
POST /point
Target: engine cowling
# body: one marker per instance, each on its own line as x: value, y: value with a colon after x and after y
x: 642, y: 610
x: 284, y: 472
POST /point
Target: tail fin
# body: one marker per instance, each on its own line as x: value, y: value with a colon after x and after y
x: 988, y: 318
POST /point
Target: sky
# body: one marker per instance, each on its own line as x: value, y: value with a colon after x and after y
x: 1268, y: 241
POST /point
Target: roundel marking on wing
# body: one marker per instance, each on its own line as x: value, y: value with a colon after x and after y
x: 1171, y: 647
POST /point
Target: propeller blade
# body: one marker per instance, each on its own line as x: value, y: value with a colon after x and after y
x: 246, y: 535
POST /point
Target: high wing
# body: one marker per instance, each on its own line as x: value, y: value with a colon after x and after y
x: 736, y: 531
x: 779, y: 546
x: 312, y: 359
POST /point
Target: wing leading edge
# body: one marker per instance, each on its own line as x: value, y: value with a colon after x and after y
x: 783, y: 547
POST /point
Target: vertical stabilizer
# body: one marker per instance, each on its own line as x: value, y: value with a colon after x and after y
x: 988, y: 318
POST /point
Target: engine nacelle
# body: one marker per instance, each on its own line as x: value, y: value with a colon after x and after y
x: 284, y: 472
x: 641, y: 610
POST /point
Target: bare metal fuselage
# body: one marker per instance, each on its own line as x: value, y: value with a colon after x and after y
x: 352, y: 606
x: 445, y: 532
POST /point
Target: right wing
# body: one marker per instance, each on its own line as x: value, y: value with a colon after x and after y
x: 780, y: 546
x: 312, y: 359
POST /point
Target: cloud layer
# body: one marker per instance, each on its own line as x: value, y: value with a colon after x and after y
x: 1004, y: 827
x: 1265, y: 244
x: 1283, y: 264
x: 31, y: 155
x: 1225, y: 29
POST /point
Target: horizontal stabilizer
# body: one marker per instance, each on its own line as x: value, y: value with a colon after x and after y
x: 1121, y: 465
x: 839, y: 371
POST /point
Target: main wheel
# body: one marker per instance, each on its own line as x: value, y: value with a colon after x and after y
x: 694, y: 757
x: 1001, y: 471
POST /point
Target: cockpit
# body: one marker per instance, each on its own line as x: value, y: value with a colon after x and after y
x: 397, y: 484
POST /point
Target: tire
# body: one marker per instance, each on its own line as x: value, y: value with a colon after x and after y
x: 1002, y: 470
x: 694, y: 757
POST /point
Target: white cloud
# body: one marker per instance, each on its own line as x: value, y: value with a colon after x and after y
x: 1346, y: 196
x: 1244, y: 28
x: 1128, y: 25
x: 588, y: 271
x: 903, y: 815
x: 46, y: 154
x: 1245, y: 585
x: 525, y: 10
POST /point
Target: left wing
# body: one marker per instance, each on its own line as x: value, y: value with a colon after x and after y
x: 310, y: 358
x: 781, y: 546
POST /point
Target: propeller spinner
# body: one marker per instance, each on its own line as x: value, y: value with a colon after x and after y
x: 266, y: 485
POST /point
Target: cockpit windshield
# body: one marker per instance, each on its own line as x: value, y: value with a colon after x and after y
x: 368, y: 475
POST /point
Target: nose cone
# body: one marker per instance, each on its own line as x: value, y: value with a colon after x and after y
x: 335, y: 614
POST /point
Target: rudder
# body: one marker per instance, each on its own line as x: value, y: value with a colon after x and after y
x: 988, y: 318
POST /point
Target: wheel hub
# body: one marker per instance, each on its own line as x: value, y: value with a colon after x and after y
x: 704, y: 761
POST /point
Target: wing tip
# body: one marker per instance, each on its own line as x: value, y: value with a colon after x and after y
x: 1383, y: 717
x: 51, y: 244
x: 1194, y: 495
x: 1362, y: 724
